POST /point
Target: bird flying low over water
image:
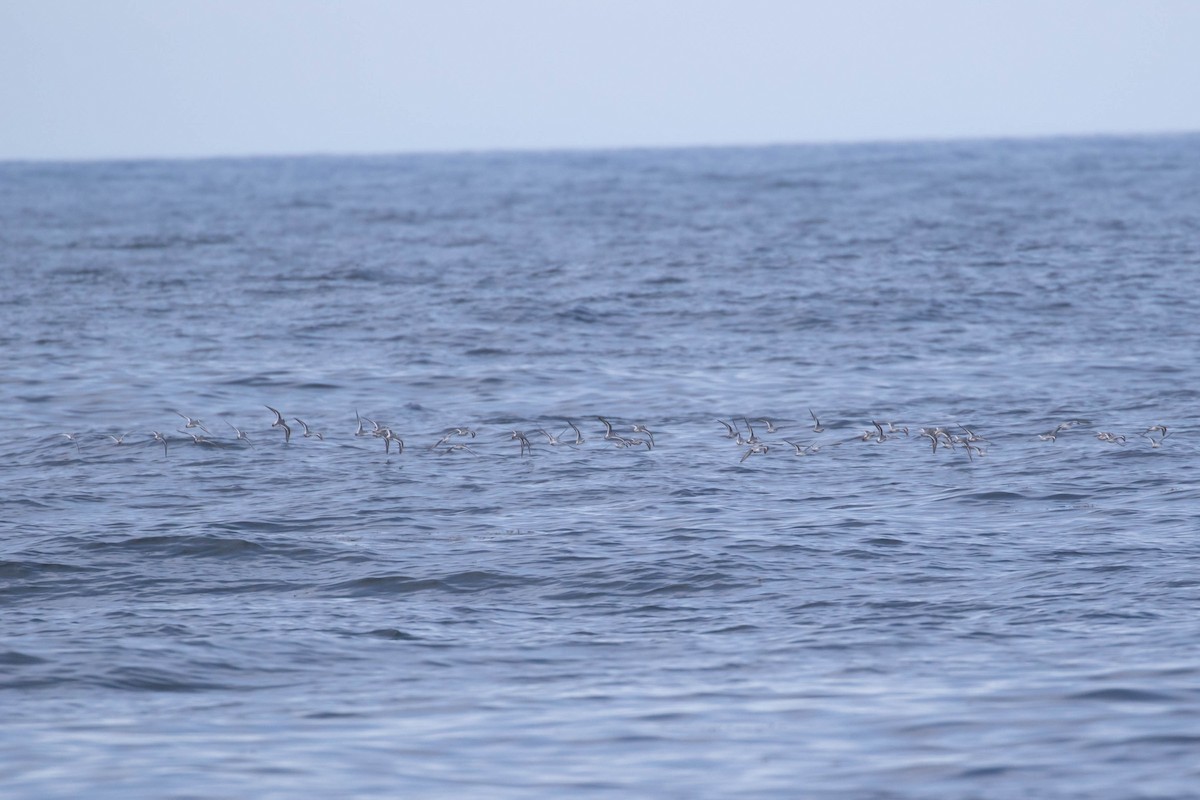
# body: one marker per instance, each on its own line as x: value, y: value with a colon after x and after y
x: 279, y: 423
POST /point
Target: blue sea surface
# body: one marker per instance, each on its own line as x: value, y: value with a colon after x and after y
x: 1005, y: 608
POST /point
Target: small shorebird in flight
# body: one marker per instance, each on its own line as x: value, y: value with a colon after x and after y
x: 932, y: 434
x: 451, y: 434
x: 72, y: 437
x: 196, y: 437
x: 972, y: 436
x: 760, y: 448
x: 308, y: 434
x: 645, y: 430
x: 241, y: 434
x: 389, y: 437
x: 1062, y: 426
x: 551, y: 439
x: 519, y: 436
x: 376, y: 428
x: 752, y: 439
x: 817, y: 428
x: 457, y: 447
x: 608, y: 429
x: 120, y: 439
x: 279, y: 423
x: 578, y: 434
x: 158, y: 437
x: 192, y: 423
x: 361, y: 430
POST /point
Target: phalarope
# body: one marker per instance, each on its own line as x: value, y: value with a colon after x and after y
x: 389, y: 437
x: 193, y: 423
x: 196, y: 437
x: 752, y: 439
x: 279, y: 423
x: 760, y: 448
x: 578, y: 433
x: 608, y: 429
x: 645, y: 430
x: 933, y: 434
x: 451, y: 434
x: 519, y: 436
x: 241, y: 434
x: 1050, y: 436
x: 551, y: 439
x: 972, y: 436
x: 817, y: 428
x: 308, y: 433
x: 803, y: 450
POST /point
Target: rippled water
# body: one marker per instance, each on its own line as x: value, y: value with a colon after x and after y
x: 873, y: 619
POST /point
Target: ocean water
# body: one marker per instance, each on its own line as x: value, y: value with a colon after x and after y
x: 1003, y: 615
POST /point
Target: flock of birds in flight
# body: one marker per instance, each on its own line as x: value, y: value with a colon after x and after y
x: 956, y: 438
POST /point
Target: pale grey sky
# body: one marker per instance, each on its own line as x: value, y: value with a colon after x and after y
x: 152, y: 78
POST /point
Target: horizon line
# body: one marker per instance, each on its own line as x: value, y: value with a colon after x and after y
x: 621, y: 148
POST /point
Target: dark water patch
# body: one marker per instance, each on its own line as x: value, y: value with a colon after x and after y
x: 1182, y: 740
x: 236, y: 587
x: 744, y: 628
x: 857, y: 554
x: 32, y: 570
x: 1124, y: 695
x: 13, y: 658
x: 992, y: 496
x: 186, y: 546
x: 155, y: 679
x: 389, y: 633
x: 458, y: 583
x: 993, y: 771
x: 267, y: 526
x: 697, y: 585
